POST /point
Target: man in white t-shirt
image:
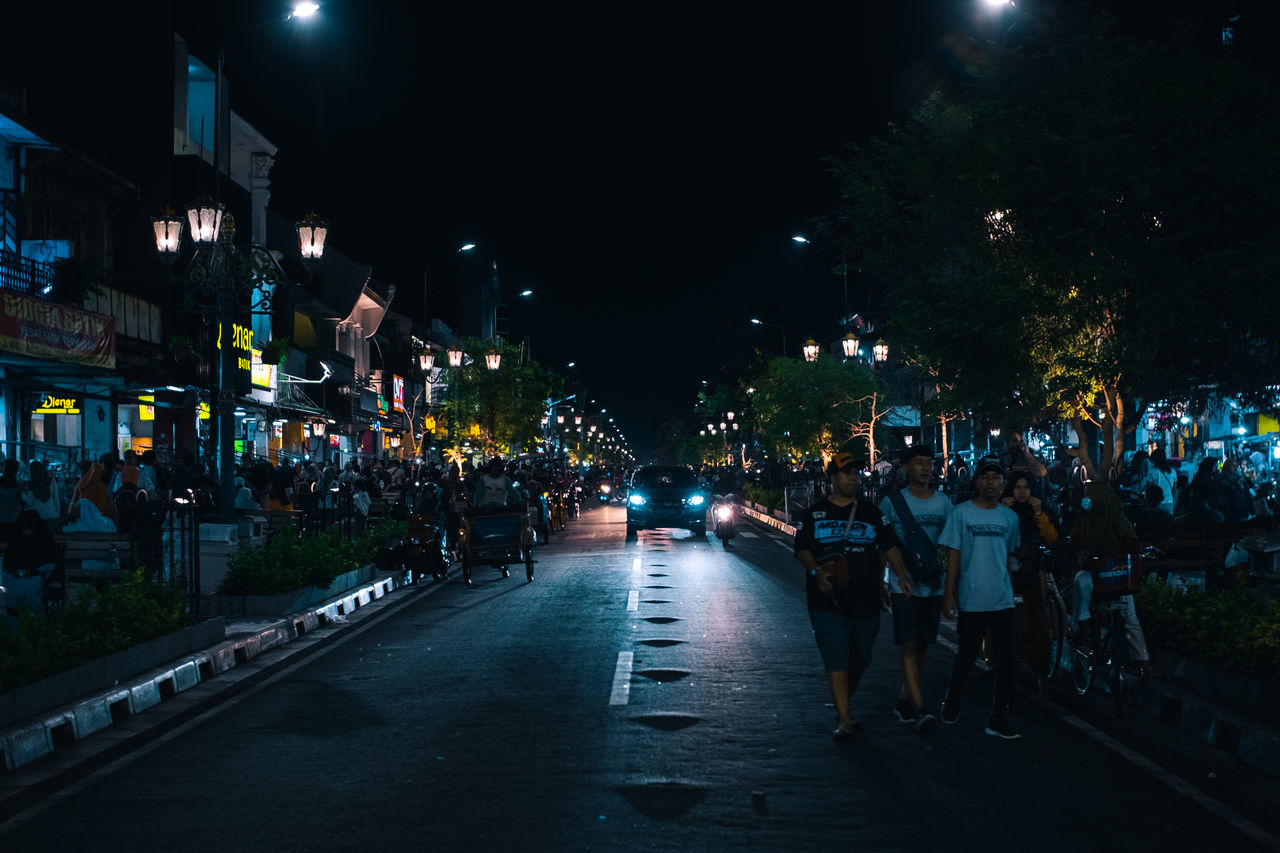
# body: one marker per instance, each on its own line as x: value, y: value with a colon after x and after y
x: 981, y: 535
x: 916, y: 616
x: 494, y: 488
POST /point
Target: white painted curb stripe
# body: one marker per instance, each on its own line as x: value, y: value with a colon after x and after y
x: 621, y: 693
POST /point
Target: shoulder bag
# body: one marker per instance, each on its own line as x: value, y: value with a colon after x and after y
x: 918, y: 549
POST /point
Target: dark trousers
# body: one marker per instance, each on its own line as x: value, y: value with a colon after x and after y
x: 971, y: 627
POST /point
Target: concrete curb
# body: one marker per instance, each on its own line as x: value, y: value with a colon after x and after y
x: 769, y: 520
x: 42, y: 735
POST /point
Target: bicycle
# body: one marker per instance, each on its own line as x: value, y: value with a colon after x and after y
x: 1109, y: 656
x: 1057, y: 617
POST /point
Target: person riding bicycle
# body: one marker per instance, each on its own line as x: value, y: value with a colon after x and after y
x: 1101, y: 530
x: 494, y: 488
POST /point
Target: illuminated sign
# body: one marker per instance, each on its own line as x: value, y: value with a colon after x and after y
x: 204, y: 411
x: 382, y: 405
x: 145, y: 412
x: 241, y: 342
x: 397, y: 393
x: 51, y: 404
x: 261, y: 375
x: 333, y: 441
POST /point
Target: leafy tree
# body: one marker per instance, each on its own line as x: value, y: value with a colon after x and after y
x: 1088, y: 227
x: 501, y: 409
x: 809, y: 409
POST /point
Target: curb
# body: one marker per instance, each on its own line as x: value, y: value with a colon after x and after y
x: 769, y: 520
x: 42, y: 735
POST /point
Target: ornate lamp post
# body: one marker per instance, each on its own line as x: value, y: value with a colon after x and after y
x: 492, y: 359
x: 850, y: 345
x: 222, y: 282
x: 881, y: 351
x: 811, y: 350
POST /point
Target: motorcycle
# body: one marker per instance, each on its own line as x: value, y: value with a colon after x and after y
x: 605, y: 493
x: 725, y: 513
x: 426, y: 549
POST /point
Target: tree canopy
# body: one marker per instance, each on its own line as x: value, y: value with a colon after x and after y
x: 1088, y: 227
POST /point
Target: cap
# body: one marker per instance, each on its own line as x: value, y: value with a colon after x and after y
x: 917, y: 450
x: 843, y: 462
x: 988, y: 463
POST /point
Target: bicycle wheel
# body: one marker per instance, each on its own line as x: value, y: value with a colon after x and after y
x: 1056, y: 619
x: 1083, y: 670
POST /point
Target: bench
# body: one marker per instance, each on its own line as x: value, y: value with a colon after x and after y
x: 74, y: 549
x: 1193, y: 548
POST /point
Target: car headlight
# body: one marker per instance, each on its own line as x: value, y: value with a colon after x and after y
x: 637, y: 500
x: 697, y: 500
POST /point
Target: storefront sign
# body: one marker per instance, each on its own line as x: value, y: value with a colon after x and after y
x: 240, y: 339
x: 52, y: 404
x: 397, y: 393
x: 261, y: 375
x: 41, y: 329
x: 146, y: 412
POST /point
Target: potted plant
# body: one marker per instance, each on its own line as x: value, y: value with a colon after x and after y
x: 274, y: 351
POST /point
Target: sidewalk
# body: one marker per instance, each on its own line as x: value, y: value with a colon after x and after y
x: 42, y: 747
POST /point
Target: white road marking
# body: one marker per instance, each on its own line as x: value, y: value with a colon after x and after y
x: 621, y: 693
x: 1178, y: 784
x: 747, y: 534
x: 633, y: 600
x: 785, y: 545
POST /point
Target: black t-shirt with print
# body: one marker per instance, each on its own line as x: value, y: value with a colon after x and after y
x: 821, y: 531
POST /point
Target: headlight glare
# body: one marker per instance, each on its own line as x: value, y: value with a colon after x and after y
x: 637, y: 500
x: 697, y: 500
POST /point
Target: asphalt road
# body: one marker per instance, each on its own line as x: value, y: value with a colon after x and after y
x: 663, y: 694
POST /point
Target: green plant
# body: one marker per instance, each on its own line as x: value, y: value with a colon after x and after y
x: 289, y: 563
x: 1234, y: 629
x: 770, y: 498
x: 124, y: 614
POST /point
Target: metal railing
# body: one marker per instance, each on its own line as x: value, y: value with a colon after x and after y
x: 25, y: 275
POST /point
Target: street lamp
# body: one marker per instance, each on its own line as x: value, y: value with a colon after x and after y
x: 426, y: 360
x: 301, y: 10
x: 850, y: 344
x: 311, y: 233
x: 756, y: 321
x: 492, y: 359
x: 455, y: 356
x: 811, y: 350
x: 881, y: 351
x: 219, y: 282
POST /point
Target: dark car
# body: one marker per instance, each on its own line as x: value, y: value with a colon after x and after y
x: 666, y: 496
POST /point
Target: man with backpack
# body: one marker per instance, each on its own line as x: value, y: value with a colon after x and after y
x: 918, y: 514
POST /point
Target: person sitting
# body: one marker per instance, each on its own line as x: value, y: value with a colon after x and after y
x: 1152, y: 513
x: 1200, y: 512
x: 494, y: 488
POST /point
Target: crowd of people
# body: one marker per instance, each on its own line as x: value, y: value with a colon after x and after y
x: 921, y: 539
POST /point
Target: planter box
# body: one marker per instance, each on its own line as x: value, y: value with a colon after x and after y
x: 23, y: 702
x: 285, y: 603
x: 1255, y: 698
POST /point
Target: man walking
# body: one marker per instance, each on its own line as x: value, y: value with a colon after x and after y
x: 843, y: 542
x: 981, y: 535
x: 916, y: 616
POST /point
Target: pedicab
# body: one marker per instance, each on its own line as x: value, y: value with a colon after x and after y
x: 498, y: 537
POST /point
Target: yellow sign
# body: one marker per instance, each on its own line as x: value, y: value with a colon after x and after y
x: 145, y: 412
x: 52, y: 405
x: 204, y: 411
x: 429, y: 424
x: 261, y: 375
x: 242, y: 342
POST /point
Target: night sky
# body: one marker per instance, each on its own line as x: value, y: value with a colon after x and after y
x: 641, y: 167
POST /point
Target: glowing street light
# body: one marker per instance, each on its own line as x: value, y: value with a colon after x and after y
x: 850, y: 344
x: 811, y: 350
x: 455, y: 356
x: 492, y: 359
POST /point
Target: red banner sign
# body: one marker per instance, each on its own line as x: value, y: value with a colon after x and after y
x: 33, y: 327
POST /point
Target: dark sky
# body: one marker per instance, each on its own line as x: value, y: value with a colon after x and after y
x: 640, y: 166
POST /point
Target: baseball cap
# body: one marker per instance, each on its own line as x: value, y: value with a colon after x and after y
x: 843, y: 462
x: 988, y: 463
x: 917, y: 450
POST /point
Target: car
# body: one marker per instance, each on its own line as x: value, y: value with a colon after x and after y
x: 666, y: 496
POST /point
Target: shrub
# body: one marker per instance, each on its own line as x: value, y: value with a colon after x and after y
x: 126, y: 613
x: 1232, y: 628
x: 288, y: 563
x: 770, y: 498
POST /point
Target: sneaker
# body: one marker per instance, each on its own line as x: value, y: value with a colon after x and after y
x: 950, y: 713
x: 905, y: 712
x: 925, y: 722
x: 999, y: 727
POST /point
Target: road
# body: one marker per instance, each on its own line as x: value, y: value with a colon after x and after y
x: 661, y: 694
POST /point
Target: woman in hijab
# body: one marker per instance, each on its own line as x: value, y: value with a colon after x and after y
x: 42, y: 494
x: 1101, y: 531
x: 94, y: 489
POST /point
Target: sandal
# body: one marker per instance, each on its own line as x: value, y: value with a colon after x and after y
x: 846, y: 731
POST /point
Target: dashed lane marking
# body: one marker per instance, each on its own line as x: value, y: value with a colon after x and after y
x: 621, y: 693
x: 747, y: 534
x: 633, y: 599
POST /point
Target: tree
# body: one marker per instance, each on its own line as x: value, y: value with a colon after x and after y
x: 1087, y: 227
x: 500, y: 408
x: 807, y: 409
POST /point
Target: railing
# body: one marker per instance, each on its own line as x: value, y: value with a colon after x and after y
x: 25, y: 275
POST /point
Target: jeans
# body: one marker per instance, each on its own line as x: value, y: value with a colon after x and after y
x: 971, y: 627
x: 1083, y: 594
